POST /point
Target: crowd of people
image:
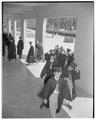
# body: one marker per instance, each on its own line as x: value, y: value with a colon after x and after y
x: 13, y: 50
x: 8, y: 40
x: 59, y: 72
x: 59, y: 75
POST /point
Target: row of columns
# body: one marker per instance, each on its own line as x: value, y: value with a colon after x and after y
x: 40, y: 28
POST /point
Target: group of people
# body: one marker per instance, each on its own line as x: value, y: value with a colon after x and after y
x: 59, y: 75
x: 13, y: 50
x: 8, y: 40
x: 32, y: 57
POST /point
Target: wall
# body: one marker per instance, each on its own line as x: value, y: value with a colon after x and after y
x: 84, y: 38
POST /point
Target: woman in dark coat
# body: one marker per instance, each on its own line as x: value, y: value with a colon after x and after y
x: 75, y: 75
x: 30, y: 56
x: 11, y: 50
x: 39, y: 51
x: 20, y: 47
x: 64, y: 91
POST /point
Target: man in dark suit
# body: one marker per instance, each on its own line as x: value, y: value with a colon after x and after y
x: 20, y: 47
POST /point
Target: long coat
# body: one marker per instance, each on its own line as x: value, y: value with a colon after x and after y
x: 49, y: 87
x: 75, y: 76
x: 46, y: 71
x: 30, y: 56
x: 70, y: 58
x: 20, y: 47
x: 61, y: 58
x: 11, y: 50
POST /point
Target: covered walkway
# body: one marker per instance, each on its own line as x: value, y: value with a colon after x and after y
x: 20, y: 83
x: 20, y: 89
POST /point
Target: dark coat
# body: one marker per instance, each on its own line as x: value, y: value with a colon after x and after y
x: 75, y: 76
x: 49, y: 87
x: 11, y: 50
x: 46, y: 71
x: 70, y: 58
x: 39, y: 52
x: 20, y: 46
x: 61, y: 58
x: 30, y: 56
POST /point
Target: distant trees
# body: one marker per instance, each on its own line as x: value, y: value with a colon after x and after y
x: 66, y: 23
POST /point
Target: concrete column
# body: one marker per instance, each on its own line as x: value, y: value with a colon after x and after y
x: 8, y: 25
x: 14, y: 32
x: 22, y: 28
x: 44, y: 34
x: 39, y: 30
x: 23, y: 34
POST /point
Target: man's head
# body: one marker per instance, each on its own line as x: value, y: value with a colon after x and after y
x: 20, y: 37
x: 57, y: 72
x: 30, y: 43
x: 52, y: 58
x: 72, y: 66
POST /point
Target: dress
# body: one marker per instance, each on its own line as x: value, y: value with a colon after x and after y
x: 30, y: 56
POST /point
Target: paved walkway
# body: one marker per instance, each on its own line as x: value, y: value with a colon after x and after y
x: 19, y: 93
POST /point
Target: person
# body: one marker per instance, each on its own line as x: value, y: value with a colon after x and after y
x: 74, y: 75
x: 11, y: 50
x: 69, y: 57
x: 47, y: 70
x: 30, y: 56
x: 20, y: 47
x: 3, y: 44
x: 55, y: 90
x: 50, y: 92
x: 46, y: 74
x: 39, y: 51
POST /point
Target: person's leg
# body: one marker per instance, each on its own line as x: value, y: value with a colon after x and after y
x: 70, y: 87
x: 53, y: 105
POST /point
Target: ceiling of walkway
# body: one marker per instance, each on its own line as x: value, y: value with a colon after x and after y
x: 10, y: 9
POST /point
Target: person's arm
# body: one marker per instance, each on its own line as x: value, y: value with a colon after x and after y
x: 43, y: 72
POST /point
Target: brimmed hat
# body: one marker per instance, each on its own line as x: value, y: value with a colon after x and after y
x: 73, y: 65
x: 68, y: 50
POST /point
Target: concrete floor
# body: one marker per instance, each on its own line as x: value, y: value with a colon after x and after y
x: 82, y: 106
x: 19, y: 93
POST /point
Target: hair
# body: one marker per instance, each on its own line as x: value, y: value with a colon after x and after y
x: 56, y: 69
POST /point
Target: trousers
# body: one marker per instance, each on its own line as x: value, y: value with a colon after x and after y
x: 53, y: 101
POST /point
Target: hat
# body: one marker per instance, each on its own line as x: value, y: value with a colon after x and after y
x: 73, y: 65
x: 68, y: 50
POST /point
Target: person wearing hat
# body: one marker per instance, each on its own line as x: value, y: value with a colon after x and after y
x: 69, y: 57
x: 50, y: 91
x: 30, y: 56
x: 74, y: 75
x: 20, y: 47
x: 46, y: 74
